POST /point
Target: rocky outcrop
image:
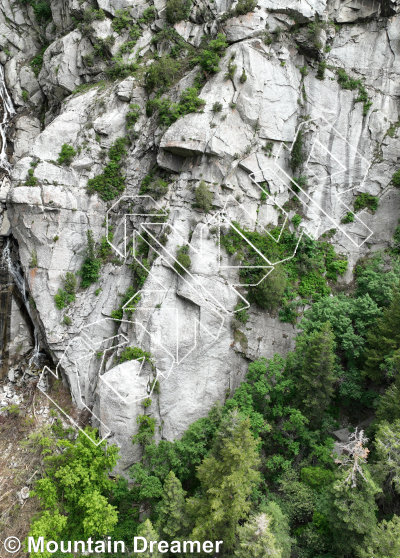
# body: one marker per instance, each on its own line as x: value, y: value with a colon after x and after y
x: 199, y: 350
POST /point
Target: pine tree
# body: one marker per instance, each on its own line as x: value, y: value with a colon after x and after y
x: 387, y: 445
x: 317, y: 376
x: 256, y: 539
x: 352, y: 510
x: 172, y: 510
x: 227, y: 478
x: 383, y: 343
x: 147, y: 531
x: 384, y: 541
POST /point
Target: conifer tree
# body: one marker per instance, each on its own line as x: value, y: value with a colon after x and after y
x: 388, y: 451
x: 317, y: 374
x: 172, y: 510
x: 147, y: 531
x: 227, y: 478
x: 352, y: 513
x: 384, y: 541
x: 256, y: 539
x: 383, y: 349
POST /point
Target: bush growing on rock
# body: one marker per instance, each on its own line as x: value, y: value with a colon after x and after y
x: 41, y: 9
x: 297, y: 155
x: 396, y: 179
x: 65, y: 296
x: 210, y: 57
x: 203, y: 197
x: 245, y: 6
x: 348, y: 218
x: 169, y: 112
x: 183, y: 261
x: 66, y: 154
x: 135, y: 353
x: 111, y: 182
x: 121, y: 21
x: 268, y: 294
x: 133, y: 115
x: 90, y: 270
x: 162, y: 73
x: 365, y: 200
x: 177, y: 10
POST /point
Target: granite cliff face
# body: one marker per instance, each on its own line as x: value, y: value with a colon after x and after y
x: 188, y: 323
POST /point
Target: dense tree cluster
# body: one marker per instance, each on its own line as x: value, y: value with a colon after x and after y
x: 261, y: 471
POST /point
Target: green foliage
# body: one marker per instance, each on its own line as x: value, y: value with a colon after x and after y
x: 396, y: 240
x: 217, y: 107
x: 346, y: 82
x: 31, y: 180
x: 157, y: 189
x: 182, y: 456
x: 245, y: 6
x: 130, y: 293
x: 299, y: 499
x: 268, y: 293
x: 396, y: 179
x: 279, y: 527
x: 314, y: 33
x: 364, y: 200
x: 389, y: 405
x: 41, y: 9
x: 383, y: 541
x: 203, y: 197
x: 352, y: 511
x: 162, y: 73
x: 210, y: 57
x: 105, y: 250
x: 33, y: 262
x: 135, y: 353
x: 297, y: 156
x: 317, y: 478
x: 231, y: 69
x: 383, y: 349
x: 183, y: 261
x: 321, y: 70
x: 147, y: 426
x: 67, y: 320
x: 172, y: 517
x: 37, y: 61
x: 388, y: 451
x: 243, y: 77
x: 63, y: 299
x: 306, y: 273
x: 149, y: 15
x: 133, y: 115
x: 228, y: 476
x: 74, y: 489
x: 240, y: 312
x: 348, y: 218
x: 177, y: 10
x: 317, y: 377
x: 169, y: 112
x: 111, y: 182
x: 147, y: 531
x: 256, y: 539
x: 122, y: 20
x: 66, y: 154
x: 296, y: 220
x: 90, y: 270
x: 102, y: 47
